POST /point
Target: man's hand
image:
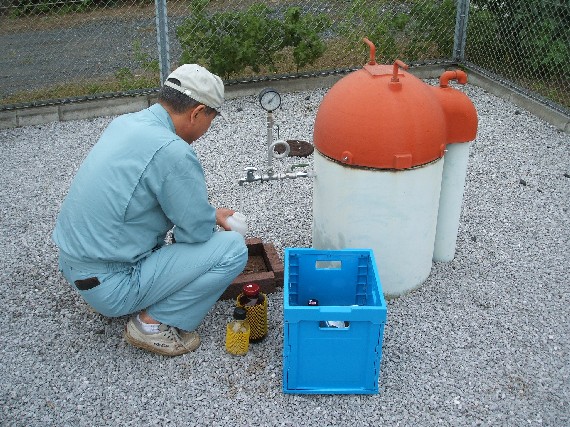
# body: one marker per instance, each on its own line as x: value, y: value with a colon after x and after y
x: 222, y: 215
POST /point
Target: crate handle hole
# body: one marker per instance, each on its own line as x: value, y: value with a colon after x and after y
x: 334, y: 325
x: 328, y: 265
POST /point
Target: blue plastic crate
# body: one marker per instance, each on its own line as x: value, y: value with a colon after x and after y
x: 319, y: 357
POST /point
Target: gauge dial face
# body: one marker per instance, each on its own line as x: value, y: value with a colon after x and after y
x: 269, y: 99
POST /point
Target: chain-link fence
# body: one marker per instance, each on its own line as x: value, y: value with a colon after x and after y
x: 62, y: 50
x: 57, y: 49
x: 525, y: 44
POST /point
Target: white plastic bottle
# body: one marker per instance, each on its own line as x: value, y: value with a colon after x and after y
x: 238, y: 222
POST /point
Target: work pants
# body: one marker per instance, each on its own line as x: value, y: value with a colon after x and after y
x: 176, y: 284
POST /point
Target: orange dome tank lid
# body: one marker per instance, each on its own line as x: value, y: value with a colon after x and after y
x: 386, y: 118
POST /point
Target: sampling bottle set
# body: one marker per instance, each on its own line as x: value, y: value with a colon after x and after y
x: 250, y: 320
x: 237, y: 333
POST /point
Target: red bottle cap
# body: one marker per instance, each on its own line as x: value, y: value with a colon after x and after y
x: 251, y: 289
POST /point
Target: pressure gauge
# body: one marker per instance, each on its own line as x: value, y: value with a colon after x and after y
x: 269, y: 99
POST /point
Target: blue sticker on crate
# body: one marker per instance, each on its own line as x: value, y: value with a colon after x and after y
x: 334, y: 317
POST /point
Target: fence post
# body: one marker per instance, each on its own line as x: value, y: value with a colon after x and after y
x: 162, y: 39
x: 460, y: 30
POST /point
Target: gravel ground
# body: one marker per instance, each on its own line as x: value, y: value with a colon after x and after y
x: 484, y: 341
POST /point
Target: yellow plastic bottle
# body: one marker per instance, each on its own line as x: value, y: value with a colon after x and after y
x: 237, y: 333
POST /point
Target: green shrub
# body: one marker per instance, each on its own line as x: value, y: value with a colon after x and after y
x: 377, y: 26
x: 228, y: 42
x: 424, y: 30
x: 522, y: 33
x: 434, y: 25
x: 302, y: 33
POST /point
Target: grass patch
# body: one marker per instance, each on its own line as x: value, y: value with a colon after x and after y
x: 124, y: 81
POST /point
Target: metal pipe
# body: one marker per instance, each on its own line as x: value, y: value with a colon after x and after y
x: 269, y: 140
x: 397, y: 65
x: 460, y: 37
x: 251, y: 176
x: 459, y: 75
x: 270, y: 175
x: 372, y: 51
x: 162, y: 39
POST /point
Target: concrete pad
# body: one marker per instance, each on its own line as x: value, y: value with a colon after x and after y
x: 103, y: 107
x: 38, y: 115
x: 488, y: 84
x: 546, y: 113
x: 427, y: 71
x: 543, y: 111
x: 8, y: 119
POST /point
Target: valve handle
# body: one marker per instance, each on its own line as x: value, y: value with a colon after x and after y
x: 250, y: 172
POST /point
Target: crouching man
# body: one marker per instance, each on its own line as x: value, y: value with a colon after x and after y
x: 141, y: 179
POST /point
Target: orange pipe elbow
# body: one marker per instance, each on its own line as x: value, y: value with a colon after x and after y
x: 397, y: 65
x: 372, y: 51
x: 458, y: 75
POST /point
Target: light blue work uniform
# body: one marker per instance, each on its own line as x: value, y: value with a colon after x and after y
x: 138, y: 181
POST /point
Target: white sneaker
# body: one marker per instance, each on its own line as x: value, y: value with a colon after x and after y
x: 191, y: 340
x: 168, y: 341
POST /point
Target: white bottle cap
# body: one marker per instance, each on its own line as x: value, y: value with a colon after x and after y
x: 238, y: 222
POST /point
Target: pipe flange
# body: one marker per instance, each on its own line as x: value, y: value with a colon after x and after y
x: 281, y: 154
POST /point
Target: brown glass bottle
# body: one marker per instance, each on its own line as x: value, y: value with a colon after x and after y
x: 255, y: 304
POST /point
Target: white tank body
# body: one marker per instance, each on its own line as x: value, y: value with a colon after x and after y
x: 394, y: 213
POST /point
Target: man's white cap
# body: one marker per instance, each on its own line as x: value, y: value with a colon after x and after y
x: 199, y: 84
